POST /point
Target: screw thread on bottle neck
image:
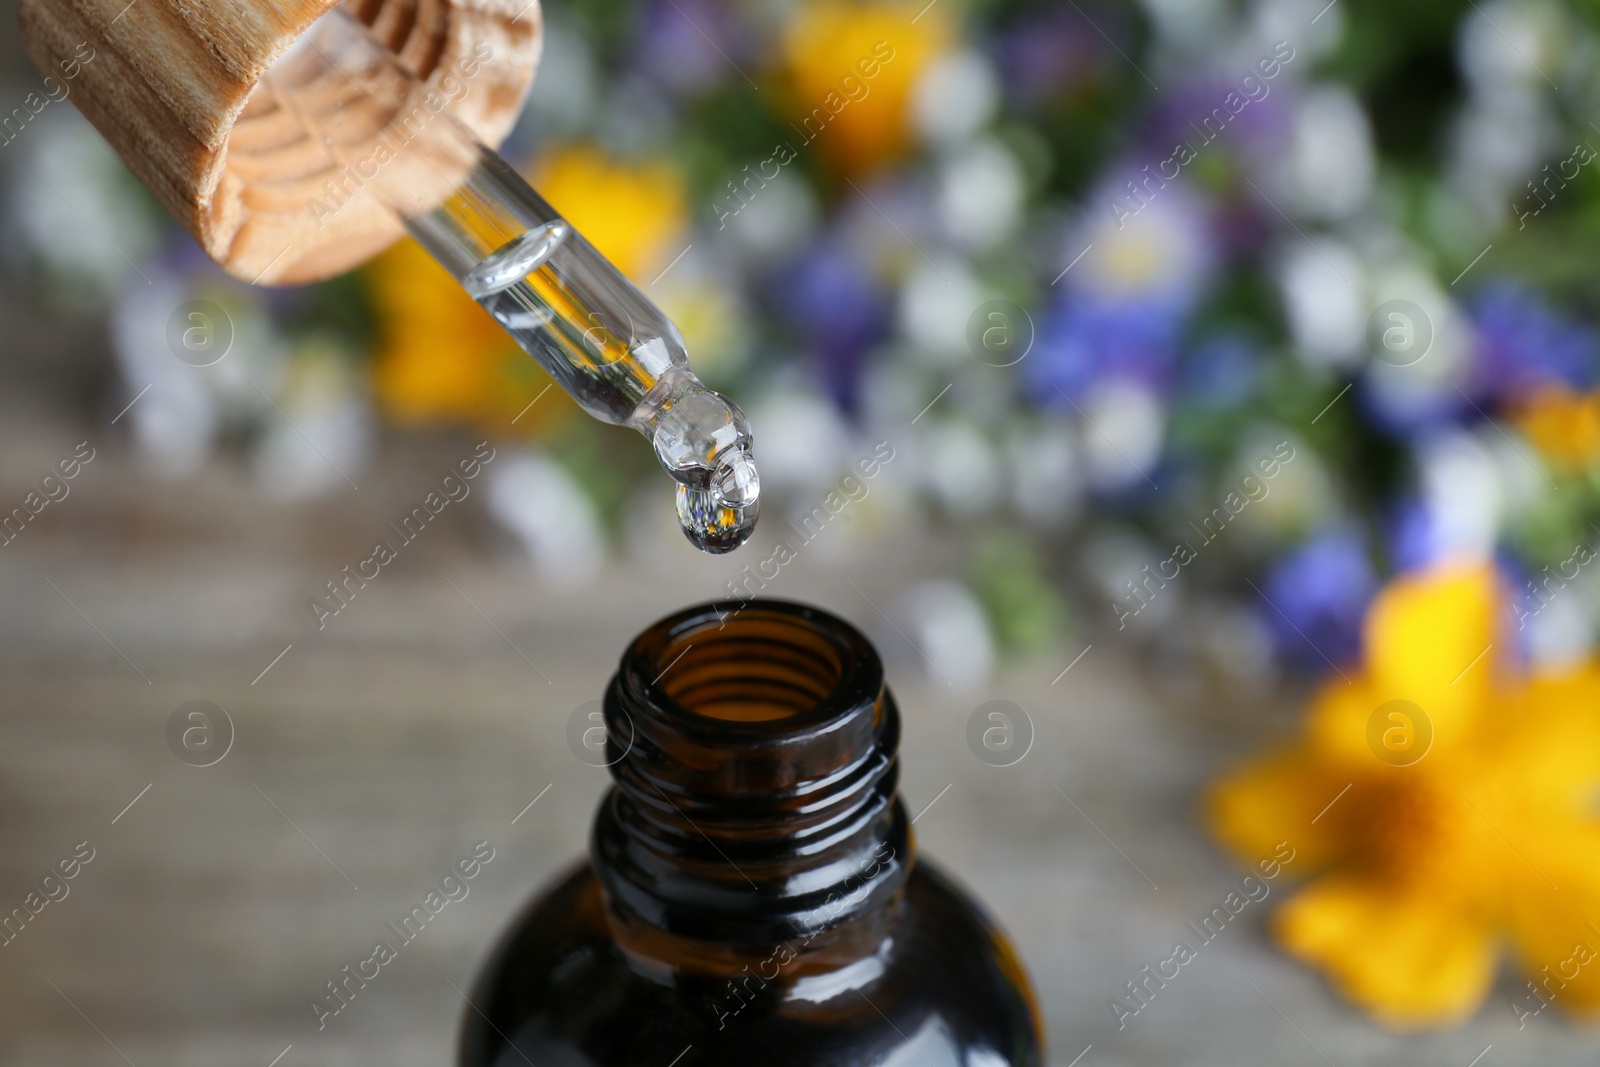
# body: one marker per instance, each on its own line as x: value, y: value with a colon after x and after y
x: 756, y: 799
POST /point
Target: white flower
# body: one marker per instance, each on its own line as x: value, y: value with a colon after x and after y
x: 1507, y: 43
x: 1322, y: 287
x: 176, y: 415
x: 547, y: 511
x: 319, y: 435
x: 961, y: 468
x: 1299, y: 496
x: 950, y: 632
x: 1460, y: 488
x: 777, y: 219
x: 1122, y: 442
x: 1330, y: 166
x: 935, y: 304
x: 956, y: 96
x: 1496, y: 145
x: 1313, y: 27
x: 1187, y: 23
x: 76, y: 210
x: 980, y: 194
x: 1046, y: 473
x: 1404, y: 383
x: 1152, y: 244
x: 1561, y: 635
x: 800, y: 440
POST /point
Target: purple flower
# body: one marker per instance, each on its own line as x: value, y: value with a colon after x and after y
x: 1197, y: 114
x: 689, y: 46
x: 1083, y: 341
x: 1399, y: 409
x: 1056, y: 55
x: 1524, y: 343
x: 831, y: 298
x: 1413, y: 536
x: 1319, y: 592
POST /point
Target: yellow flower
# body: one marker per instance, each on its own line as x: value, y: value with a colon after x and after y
x: 439, y: 357
x: 1445, y: 804
x: 1565, y: 425
x: 850, y: 69
x: 634, y: 214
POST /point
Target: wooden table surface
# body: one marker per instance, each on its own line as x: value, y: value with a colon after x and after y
x: 430, y: 712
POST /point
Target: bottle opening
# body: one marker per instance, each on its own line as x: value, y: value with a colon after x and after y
x: 755, y: 666
x: 756, y: 796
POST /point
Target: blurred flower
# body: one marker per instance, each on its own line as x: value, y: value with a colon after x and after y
x: 1025, y: 612
x: 708, y: 311
x: 549, y: 514
x: 1144, y: 244
x: 1081, y: 343
x: 850, y: 71
x: 778, y: 221
x: 569, y: 88
x: 1126, y: 424
x: 438, y: 356
x: 1046, y: 472
x: 1561, y: 637
x: 690, y: 45
x: 956, y: 97
x: 962, y: 468
x: 1319, y: 592
x: 1315, y: 28
x: 324, y: 433
x: 834, y: 300
x: 1329, y: 169
x: 801, y: 440
x: 1143, y: 266
x: 1508, y: 43
x: 1439, y: 800
x: 1496, y: 142
x: 1419, y: 376
x: 1301, y: 497
x: 949, y: 632
x: 75, y: 215
x: 1460, y: 483
x: 1322, y: 288
x: 1523, y: 344
x: 634, y: 214
x: 935, y: 305
x: 1563, y: 424
x: 175, y: 424
x: 1186, y: 23
x: 980, y: 195
x: 1048, y: 57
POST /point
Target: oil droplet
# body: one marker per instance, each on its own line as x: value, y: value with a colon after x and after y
x: 711, y: 523
x: 718, y: 511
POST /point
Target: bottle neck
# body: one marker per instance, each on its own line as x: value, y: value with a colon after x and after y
x: 754, y: 753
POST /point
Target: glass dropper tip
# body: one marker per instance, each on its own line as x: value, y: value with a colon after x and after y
x: 703, y: 441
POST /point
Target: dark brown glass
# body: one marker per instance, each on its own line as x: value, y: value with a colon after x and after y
x: 751, y: 895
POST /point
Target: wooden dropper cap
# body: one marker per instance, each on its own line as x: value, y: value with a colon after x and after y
x: 170, y: 86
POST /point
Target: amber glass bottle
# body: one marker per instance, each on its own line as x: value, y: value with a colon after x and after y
x: 751, y: 896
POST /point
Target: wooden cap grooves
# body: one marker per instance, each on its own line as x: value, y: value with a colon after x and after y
x: 170, y: 87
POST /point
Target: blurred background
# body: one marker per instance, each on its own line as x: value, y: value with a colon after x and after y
x: 1192, y: 329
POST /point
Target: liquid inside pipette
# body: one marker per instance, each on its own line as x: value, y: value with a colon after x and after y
x: 615, y: 353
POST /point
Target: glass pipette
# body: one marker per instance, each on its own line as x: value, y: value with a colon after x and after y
x: 580, y: 318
